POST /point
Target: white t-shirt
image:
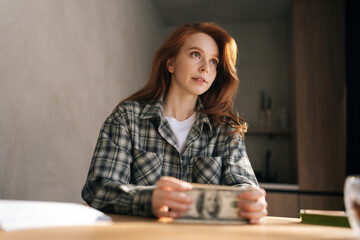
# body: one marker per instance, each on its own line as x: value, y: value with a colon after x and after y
x: 181, y: 129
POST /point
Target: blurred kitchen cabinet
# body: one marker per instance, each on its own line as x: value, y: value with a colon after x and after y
x: 288, y: 204
x: 283, y: 204
x: 321, y: 202
x: 319, y: 90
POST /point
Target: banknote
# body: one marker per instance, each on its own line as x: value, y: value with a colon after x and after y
x: 214, y: 204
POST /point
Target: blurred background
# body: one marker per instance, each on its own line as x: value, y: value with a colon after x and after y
x: 65, y: 64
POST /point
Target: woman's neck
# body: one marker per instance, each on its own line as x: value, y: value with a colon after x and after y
x: 179, y: 106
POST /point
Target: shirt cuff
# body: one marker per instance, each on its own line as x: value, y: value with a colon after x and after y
x: 141, y: 203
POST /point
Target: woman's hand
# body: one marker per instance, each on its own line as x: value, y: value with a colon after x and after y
x: 169, y: 199
x: 252, y: 205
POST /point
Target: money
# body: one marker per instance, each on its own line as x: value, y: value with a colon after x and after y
x: 214, y: 204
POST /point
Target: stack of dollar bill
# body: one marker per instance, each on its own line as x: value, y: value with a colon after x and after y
x: 214, y: 204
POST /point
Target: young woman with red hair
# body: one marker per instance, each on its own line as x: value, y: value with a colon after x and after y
x: 180, y: 128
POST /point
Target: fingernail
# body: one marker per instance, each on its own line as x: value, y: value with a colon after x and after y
x: 187, y: 185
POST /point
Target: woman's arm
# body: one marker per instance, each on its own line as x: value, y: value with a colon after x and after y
x: 108, y: 187
x: 237, y: 170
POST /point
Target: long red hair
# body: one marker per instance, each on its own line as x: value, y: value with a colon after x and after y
x: 218, y: 100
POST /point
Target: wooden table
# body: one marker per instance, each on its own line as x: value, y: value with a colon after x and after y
x: 128, y: 228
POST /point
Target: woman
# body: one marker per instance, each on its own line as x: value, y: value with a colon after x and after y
x: 179, y: 128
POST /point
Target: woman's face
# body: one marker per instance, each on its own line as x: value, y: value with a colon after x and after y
x: 194, y: 68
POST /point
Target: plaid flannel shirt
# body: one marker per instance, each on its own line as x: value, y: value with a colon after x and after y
x: 136, y: 147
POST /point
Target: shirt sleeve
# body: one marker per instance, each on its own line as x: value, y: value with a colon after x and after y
x: 108, y: 187
x: 237, y: 170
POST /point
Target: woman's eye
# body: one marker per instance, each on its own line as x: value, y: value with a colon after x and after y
x: 214, y: 62
x: 195, y: 54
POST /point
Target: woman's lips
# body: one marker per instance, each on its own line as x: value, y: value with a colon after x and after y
x: 199, y: 80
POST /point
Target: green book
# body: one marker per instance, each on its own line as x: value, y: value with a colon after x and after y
x: 328, y: 218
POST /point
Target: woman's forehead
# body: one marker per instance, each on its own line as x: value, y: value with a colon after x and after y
x: 203, y: 42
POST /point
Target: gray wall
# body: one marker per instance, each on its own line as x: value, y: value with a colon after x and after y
x: 64, y: 65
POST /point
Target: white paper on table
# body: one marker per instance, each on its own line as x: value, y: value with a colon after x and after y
x: 19, y: 215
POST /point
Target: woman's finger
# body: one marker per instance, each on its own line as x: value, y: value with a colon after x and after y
x: 169, y: 194
x: 256, y: 220
x: 163, y: 195
x: 252, y: 195
x: 176, y: 201
x: 176, y: 206
x: 171, y: 183
x: 252, y: 206
x: 169, y: 208
x: 179, y: 197
x: 254, y: 215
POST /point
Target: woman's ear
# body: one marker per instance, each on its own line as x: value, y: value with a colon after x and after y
x: 170, y: 65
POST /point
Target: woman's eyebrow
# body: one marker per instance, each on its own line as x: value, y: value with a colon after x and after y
x: 198, y: 48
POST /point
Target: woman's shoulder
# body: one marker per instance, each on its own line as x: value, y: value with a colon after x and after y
x: 132, y: 106
x: 128, y: 109
x: 228, y: 133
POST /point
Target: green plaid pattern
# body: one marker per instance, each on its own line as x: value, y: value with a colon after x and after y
x: 136, y: 147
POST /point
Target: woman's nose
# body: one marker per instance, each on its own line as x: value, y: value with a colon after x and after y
x: 204, y: 67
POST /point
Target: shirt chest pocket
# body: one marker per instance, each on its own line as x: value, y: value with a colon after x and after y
x: 146, y: 167
x: 206, y: 170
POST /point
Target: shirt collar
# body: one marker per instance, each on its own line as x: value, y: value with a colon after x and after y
x: 154, y: 109
x: 202, y: 117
